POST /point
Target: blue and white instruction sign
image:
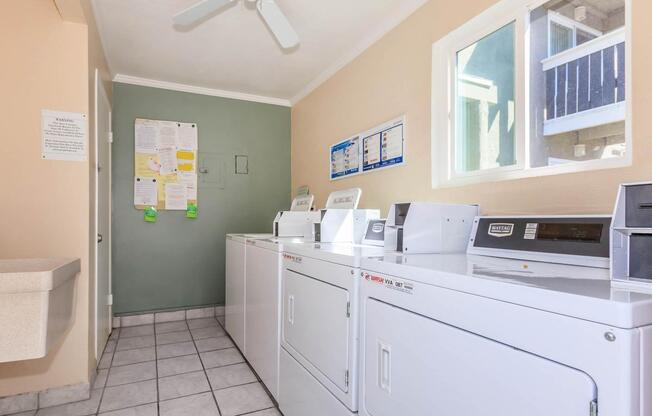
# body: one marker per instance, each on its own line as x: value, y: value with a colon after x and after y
x: 384, y: 146
x: 378, y: 148
x: 345, y: 158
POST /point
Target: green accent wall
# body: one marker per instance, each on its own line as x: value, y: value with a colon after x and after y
x: 179, y: 262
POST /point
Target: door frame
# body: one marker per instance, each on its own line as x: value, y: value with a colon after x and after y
x: 100, y: 93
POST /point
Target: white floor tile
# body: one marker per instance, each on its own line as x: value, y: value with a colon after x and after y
x: 135, y: 342
x: 242, y: 399
x: 131, y: 373
x: 221, y: 358
x: 179, y: 365
x: 139, y: 355
x: 198, y: 405
x: 201, y: 323
x: 207, y: 332
x: 171, y: 327
x: 230, y: 376
x: 212, y: 344
x: 182, y: 385
x: 136, y: 320
x: 175, y: 350
x: 100, y: 379
x: 173, y: 337
x: 83, y: 408
x: 137, y: 331
x: 144, y: 410
x: 266, y: 412
x: 128, y: 395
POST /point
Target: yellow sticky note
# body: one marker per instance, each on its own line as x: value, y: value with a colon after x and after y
x: 185, y: 155
x: 186, y: 167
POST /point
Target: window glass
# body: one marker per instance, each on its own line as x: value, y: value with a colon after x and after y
x: 577, y: 101
x: 485, y: 83
x: 561, y: 38
x: 583, y: 37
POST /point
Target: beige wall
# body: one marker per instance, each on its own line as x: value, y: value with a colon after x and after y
x: 393, y: 78
x: 45, y: 65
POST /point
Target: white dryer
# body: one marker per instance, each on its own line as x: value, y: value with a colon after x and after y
x: 262, y: 306
x: 234, y: 309
x: 319, y: 340
x: 538, y: 332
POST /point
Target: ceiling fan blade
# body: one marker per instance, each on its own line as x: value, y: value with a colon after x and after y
x: 278, y: 23
x: 198, y: 11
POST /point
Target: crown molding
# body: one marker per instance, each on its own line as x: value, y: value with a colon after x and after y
x: 361, y: 47
x: 145, y: 82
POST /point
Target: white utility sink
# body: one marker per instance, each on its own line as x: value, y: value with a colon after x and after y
x: 37, y: 298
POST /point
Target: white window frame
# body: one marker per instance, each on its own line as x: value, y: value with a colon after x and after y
x: 560, y: 19
x: 443, y: 102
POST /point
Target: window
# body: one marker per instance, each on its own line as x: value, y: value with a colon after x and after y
x: 485, y: 103
x: 565, y: 33
x: 532, y: 87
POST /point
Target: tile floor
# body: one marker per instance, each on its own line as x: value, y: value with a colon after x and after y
x: 172, y: 369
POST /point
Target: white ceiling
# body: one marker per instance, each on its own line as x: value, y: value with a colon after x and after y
x: 234, y: 51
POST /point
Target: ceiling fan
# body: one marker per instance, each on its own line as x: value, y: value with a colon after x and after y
x: 267, y: 9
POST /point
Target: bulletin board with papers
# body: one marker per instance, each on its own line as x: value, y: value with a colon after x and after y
x: 165, y: 164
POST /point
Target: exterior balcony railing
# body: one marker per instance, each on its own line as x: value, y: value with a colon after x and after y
x: 585, y: 85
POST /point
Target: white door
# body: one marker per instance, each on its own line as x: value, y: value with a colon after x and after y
x: 103, y: 138
x: 316, y: 325
x: 417, y: 366
x: 262, y: 301
x: 234, y: 313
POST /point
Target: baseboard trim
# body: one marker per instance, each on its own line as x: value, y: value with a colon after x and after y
x: 148, y: 318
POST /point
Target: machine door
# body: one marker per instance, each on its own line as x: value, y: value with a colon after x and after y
x: 262, y: 312
x: 316, y: 325
x: 234, y: 313
x: 416, y: 366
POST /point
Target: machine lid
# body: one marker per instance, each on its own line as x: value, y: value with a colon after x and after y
x: 576, y: 291
x: 344, y: 254
x: 346, y: 199
x: 242, y: 238
x: 278, y: 244
x: 302, y: 203
x: 579, y: 240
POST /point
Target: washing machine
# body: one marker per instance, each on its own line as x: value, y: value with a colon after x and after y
x: 262, y: 305
x: 234, y: 308
x: 294, y: 223
x: 525, y: 323
x: 319, y: 331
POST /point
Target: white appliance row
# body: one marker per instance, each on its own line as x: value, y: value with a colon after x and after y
x: 525, y: 322
x: 254, y: 270
x: 469, y: 334
x: 320, y: 352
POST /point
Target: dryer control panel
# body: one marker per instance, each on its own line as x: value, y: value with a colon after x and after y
x: 559, y: 239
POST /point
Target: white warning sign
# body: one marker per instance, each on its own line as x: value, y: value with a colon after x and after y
x: 63, y: 136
